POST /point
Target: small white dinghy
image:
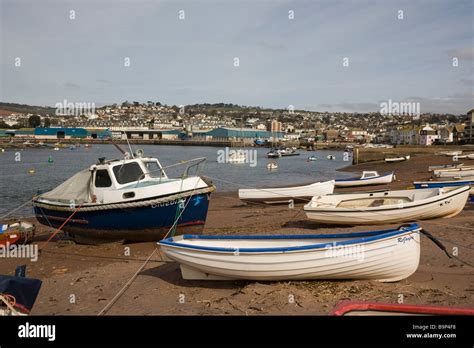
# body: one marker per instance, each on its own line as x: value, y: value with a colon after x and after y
x: 272, y: 165
x: 367, y: 178
x: 286, y: 194
x: 387, y: 256
x: 454, y: 172
x: 445, y: 166
x: 387, y: 206
x: 397, y: 159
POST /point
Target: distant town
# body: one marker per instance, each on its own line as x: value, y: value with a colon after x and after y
x: 207, y: 122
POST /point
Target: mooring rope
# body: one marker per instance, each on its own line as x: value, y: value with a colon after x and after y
x: 135, y: 275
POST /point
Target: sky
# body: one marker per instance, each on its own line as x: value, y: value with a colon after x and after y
x: 288, y: 52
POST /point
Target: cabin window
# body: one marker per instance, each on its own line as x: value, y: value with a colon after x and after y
x: 128, y: 172
x: 153, y: 169
x: 102, y: 178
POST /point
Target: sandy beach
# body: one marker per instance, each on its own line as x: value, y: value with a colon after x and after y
x: 92, y: 275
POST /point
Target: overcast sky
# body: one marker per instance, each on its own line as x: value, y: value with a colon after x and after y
x: 282, y: 61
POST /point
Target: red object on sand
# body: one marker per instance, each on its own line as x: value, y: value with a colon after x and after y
x: 346, y: 307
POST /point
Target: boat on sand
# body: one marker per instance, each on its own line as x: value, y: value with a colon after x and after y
x: 367, y: 178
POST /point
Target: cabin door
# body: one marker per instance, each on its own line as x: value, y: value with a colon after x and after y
x: 102, y: 183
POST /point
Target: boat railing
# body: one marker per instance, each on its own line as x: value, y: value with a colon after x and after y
x: 193, y: 163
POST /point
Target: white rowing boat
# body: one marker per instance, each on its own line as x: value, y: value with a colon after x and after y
x: 387, y: 256
x: 397, y: 159
x: 387, y: 206
x: 445, y: 166
x: 287, y: 194
x: 450, y: 153
x: 454, y: 172
x: 367, y: 178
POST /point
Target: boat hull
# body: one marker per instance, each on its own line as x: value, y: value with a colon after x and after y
x: 135, y: 224
x: 379, y: 180
x: 388, y: 259
x: 443, y: 206
x: 286, y: 194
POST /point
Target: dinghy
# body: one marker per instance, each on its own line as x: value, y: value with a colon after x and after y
x: 397, y: 159
x: 278, y: 195
x: 387, y: 256
x: 469, y: 180
x: 387, y: 206
x: 446, y: 166
x: 331, y: 157
x: 18, y: 293
x: 16, y: 233
x: 272, y: 165
x: 312, y: 158
x: 367, y: 178
x: 355, y: 308
x: 454, y: 173
x: 450, y: 153
x: 470, y: 156
x: 130, y: 199
x: 274, y: 153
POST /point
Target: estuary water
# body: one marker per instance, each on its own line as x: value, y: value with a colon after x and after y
x: 18, y: 185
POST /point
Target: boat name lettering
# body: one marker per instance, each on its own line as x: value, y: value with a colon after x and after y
x: 170, y: 203
x: 405, y: 239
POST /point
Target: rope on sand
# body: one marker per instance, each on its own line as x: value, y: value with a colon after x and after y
x: 135, y: 275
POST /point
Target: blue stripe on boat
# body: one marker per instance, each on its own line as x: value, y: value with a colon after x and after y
x: 364, y: 238
x: 359, y: 179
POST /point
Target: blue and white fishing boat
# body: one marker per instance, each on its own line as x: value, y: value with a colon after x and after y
x: 367, y: 178
x: 130, y: 199
x: 387, y: 255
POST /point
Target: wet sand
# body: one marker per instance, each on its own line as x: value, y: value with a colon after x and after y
x: 94, y: 274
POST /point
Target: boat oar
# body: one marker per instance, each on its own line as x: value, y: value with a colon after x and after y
x: 437, y: 242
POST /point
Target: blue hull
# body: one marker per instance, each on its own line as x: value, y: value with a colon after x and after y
x: 138, y: 224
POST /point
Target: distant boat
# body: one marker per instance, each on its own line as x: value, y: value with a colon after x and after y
x: 397, y: 159
x: 454, y: 172
x: 312, y: 158
x: 354, y: 308
x: 470, y: 156
x: 259, y: 142
x: 272, y: 165
x: 445, y: 166
x: 387, y: 256
x: 288, y: 152
x: 382, y: 207
x: 56, y: 149
x: 468, y: 180
x: 367, y: 178
x: 273, y: 153
x: 72, y: 147
x: 450, y: 153
x: 237, y: 157
x: 331, y: 157
x: 87, y: 146
x: 286, y: 194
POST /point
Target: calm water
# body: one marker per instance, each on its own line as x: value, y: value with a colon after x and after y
x: 18, y: 186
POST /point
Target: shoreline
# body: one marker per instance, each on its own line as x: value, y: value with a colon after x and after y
x: 94, y: 274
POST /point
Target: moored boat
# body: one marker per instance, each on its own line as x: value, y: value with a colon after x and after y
x: 131, y: 199
x: 469, y: 180
x: 18, y: 293
x: 445, y: 166
x: 454, y: 172
x: 387, y: 206
x: 286, y: 194
x: 367, y: 178
x: 272, y: 165
x: 387, y: 255
x: 273, y: 153
x: 331, y: 157
x: 20, y: 232
x: 397, y: 159
x: 312, y: 158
